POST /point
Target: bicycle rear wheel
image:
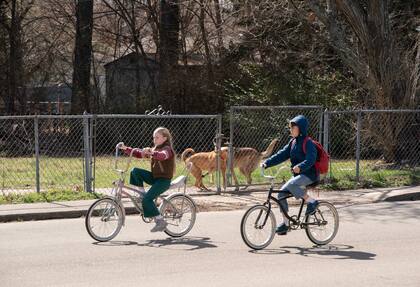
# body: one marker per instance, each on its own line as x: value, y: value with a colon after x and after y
x: 179, y: 212
x: 258, y: 227
x: 104, y: 219
x: 322, y: 227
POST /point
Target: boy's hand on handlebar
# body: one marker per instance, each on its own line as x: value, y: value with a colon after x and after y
x: 123, y: 147
x: 296, y: 169
x: 263, y: 165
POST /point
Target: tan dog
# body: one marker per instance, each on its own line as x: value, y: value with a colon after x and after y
x: 247, y: 159
x: 204, y: 161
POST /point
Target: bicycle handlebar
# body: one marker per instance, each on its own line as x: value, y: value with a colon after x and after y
x: 272, y: 177
x: 117, y: 147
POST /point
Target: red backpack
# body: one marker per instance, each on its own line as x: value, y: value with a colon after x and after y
x: 322, y: 159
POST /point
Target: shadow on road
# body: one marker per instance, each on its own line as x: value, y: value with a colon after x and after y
x: 400, y: 211
x: 184, y: 243
x: 337, y: 251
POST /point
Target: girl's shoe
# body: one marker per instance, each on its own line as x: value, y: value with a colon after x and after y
x: 160, y: 225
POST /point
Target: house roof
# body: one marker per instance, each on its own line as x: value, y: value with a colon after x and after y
x: 192, y: 59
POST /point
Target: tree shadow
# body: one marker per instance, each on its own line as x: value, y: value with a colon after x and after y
x: 115, y: 243
x: 400, y: 211
x: 338, y: 251
x: 184, y: 243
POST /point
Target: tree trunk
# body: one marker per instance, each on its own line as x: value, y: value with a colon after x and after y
x: 81, y: 92
x: 168, y: 53
x: 210, y: 74
x: 219, y: 27
x: 4, y: 71
x: 14, y: 39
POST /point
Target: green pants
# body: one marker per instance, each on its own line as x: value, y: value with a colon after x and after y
x: 158, y: 186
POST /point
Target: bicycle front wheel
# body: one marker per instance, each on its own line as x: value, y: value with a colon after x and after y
x: 104, y: 219
x: 322, y: 227
x: 258, y: 227
x: 179, y: 212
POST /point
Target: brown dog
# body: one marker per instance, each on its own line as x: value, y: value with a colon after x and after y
x: 247, y: 160
x: 204, y: 161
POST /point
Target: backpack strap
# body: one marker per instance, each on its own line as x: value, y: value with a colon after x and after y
x: 304, y: 144
x: 305, y: 140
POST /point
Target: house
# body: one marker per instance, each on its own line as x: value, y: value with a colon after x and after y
x: 49, y: 99
x: 132, y: 86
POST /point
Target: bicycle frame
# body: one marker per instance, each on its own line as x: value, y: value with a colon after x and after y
x: 118, y: 192
x: 295, y: 220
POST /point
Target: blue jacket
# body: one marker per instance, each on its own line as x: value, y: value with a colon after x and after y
x: 306, y: 162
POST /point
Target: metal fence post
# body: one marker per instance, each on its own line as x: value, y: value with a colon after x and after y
x: 230, y: 149
x: 36, y: 135
x: 218, y: 149
x: 326, y: 136
x: 320, y: 128
x: 359, y: 120
x: 92, y: 151
x: 87, y: 155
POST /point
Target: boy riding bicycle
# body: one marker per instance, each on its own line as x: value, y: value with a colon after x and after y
x: 303, y: 168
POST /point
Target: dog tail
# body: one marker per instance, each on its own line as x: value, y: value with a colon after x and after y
x: 187, y: 153
x: 269, y: 151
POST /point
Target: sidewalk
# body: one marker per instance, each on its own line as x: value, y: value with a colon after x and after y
x: 206, y: 202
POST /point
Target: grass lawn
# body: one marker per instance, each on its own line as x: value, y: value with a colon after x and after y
x: 62, y: 178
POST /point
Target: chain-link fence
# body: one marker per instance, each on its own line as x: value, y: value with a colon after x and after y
x: 40, y: 153
x: 258, y: 132
x: 17, y: 153
x: 195, y: 132
x: 374, y: 147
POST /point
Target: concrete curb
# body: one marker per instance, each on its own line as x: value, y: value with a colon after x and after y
x: 205, y: 202
x: 129, y: 210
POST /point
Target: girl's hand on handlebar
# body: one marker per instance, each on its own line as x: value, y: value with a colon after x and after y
x: 146, y: 152
x: 123, y: 147
x: 263, y: 165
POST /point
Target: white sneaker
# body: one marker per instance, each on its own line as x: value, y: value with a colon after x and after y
x: 161, y: 225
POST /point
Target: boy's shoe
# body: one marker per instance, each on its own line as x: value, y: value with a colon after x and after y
x: 282, y: 229
x: 311, y: 208
x: 160, y: 225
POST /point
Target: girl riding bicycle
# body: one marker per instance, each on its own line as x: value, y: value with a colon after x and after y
x: 303, y: 168
x: 162, y: 170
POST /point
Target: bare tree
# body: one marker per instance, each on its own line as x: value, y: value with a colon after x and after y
x: 168, y: 50
x: 138, y: 32
x: 388, y: 69
x: 13, y: 13
x: 371, y: 50
x: 81, y: 91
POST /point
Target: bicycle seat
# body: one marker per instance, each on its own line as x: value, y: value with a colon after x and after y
x: 178, y: 182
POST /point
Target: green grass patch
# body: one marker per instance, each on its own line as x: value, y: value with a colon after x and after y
x: 49, y: 196
x: 370, y: 178
x: 66, y: 175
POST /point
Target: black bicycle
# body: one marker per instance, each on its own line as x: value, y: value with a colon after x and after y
x: 258, y: 225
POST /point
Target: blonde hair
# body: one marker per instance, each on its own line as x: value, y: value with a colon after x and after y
x: 167, y: 134
x: 169, y: 140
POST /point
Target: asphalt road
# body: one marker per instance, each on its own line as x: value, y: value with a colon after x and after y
x: 377, y: 245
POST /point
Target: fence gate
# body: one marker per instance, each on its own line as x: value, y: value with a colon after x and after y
x: 255, y: 127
